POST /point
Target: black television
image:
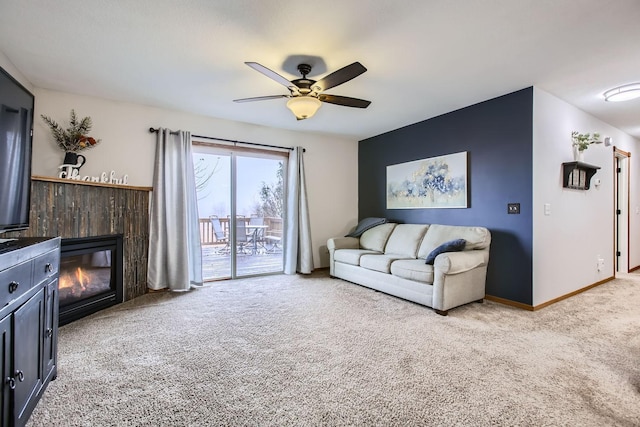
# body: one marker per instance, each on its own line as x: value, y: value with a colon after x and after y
x: 16, y: 133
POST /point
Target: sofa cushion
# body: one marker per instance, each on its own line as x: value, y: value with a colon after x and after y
x: 381, y: 262
x: 375, y: 238
x: 351, y: 256
x: 405, y: 240
x: 437, y: 234
x: 413, y: 269
x: 451, y: 246
x: 366, y: 224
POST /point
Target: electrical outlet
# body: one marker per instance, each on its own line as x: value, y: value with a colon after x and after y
x: 547, y: 208
x: 600, y: 264
x: 513, y: 208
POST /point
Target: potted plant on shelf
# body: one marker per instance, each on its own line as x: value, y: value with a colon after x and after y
x: 582, y: 141
x: 72, y: 139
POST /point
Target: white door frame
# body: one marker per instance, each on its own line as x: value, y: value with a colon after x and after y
x: 621, y: 186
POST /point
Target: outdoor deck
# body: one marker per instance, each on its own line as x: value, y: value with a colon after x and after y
x: 217, y: 266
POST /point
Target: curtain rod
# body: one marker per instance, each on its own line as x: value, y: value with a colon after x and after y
x: 152, y: 130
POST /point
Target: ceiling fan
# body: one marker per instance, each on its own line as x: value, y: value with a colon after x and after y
x: 306, y: 95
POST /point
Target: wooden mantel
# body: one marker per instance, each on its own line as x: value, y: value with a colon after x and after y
x: 80, y: 182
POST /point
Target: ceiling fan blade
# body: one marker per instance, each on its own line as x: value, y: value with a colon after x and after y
x: 272, y: 75
x: 340, y: 76
x: 260, y: 98
x: 344, y: 100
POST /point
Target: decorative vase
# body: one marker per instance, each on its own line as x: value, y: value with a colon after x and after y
x: 74, y: 159
x: 578, y: 155
x: 71, y: 165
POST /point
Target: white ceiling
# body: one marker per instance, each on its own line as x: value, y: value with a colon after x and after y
x: 424, y: 57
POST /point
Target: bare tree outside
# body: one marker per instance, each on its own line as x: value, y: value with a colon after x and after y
x: 203, y: 172
x: 272, y: 196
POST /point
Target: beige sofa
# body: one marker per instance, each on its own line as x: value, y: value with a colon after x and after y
x: 391, y: 258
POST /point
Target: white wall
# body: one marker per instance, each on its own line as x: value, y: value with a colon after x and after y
x: 11, y: 69
x: 126, y: 146
x: 567, y: 243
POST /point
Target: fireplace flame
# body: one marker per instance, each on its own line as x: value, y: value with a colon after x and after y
x: 80, y: 276
x: 76, y: 282
x: 84, y: 276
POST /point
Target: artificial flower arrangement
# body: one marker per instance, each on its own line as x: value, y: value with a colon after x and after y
x: 583, y: 140
x: 74, y: 138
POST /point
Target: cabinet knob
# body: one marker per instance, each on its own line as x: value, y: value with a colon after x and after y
x: 48, y: 268
x: 13, y: 286
x: 20, y: 375
x: 11, y: 382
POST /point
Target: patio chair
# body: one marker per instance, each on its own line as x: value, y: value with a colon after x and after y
x: 242, y: 239
x: 257, y: 234
x: 220, y: 235
x: 272, y: 243
x: 272, y: 237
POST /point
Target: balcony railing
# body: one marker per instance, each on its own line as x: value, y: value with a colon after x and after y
x: 208, y: 237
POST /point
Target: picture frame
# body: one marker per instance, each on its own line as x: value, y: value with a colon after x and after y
x: 434, y: 182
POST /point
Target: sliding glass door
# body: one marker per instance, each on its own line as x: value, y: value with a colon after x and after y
x: 241, y: 210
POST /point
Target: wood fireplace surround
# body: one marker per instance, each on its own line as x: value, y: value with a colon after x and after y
x: 72, y: 209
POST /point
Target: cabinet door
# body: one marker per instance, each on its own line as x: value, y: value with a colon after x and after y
x: 5, y: 367
x: 27, y: 367
x: 51, y: 331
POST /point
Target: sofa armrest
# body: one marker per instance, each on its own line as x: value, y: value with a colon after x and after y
x: 459, y: 278
x: 336, y: 243
x: 459, y: 262
x: 343, y: 243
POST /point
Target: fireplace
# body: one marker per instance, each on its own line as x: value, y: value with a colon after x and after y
x: 90, y: 275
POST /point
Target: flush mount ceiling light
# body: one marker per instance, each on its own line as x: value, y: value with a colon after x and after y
x: 303, y: 107
x: 623, y: 93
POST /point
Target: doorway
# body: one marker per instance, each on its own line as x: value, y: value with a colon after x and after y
x: 621, y: 210
x: 241, y: 210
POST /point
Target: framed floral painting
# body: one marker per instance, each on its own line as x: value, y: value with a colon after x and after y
x: 436, y: 182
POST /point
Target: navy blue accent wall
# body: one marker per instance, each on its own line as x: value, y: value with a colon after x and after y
x: 497, y: 134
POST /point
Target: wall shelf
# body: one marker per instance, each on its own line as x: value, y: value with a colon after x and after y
x: 577, y: 175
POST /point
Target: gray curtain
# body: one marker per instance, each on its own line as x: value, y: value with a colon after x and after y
x: 175, y: 254
x: 298, y: 253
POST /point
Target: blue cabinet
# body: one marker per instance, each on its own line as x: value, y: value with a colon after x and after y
x: 28, y: 325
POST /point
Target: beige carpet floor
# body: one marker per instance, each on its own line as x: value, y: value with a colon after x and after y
x: 315, y: 351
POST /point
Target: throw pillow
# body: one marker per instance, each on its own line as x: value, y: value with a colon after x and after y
x: 366, y: 224
x: 450, y: 246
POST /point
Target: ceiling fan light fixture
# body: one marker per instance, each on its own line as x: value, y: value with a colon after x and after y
x: 623, y: 93
x: 303, y: 107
